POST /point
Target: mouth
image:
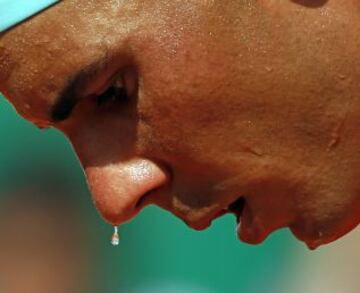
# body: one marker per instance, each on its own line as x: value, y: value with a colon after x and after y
x: 235, y: 208
x: 249, y: 228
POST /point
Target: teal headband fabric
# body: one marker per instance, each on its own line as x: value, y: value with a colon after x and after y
x: 13, y: 12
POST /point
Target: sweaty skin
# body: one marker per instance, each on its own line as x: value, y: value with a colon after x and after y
x: 252, y: 104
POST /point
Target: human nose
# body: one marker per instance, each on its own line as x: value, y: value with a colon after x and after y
x: 119, y: 179
x: 118, y: 189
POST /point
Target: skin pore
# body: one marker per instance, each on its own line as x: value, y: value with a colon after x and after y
x: 248, y: 107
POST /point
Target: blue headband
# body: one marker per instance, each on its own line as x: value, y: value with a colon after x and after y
x: 13, y: 12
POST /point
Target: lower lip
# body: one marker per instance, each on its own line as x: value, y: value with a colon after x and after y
x: 249, y: 229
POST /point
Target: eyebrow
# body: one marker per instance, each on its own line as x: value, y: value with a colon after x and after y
x: 69, y: 96
x: 65, y: 102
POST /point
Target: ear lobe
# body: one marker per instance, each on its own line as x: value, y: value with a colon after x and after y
x: 118, y: 188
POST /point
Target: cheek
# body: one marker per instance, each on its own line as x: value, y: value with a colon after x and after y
x: 175, y: 128
x: 179, y: 112
x: 181, y: 116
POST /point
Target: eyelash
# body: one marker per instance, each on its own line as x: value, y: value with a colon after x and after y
x: 115, y: 93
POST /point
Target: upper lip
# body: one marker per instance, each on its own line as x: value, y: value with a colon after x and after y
x: 236, y: 207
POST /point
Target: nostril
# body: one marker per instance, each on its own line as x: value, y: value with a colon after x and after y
x: 146, y: 199
x: 152, y: 195
x: 142, y: 201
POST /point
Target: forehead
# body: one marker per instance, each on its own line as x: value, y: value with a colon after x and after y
x: 40, y: 56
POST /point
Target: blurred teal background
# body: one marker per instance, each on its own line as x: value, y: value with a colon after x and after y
x: 157, y: 252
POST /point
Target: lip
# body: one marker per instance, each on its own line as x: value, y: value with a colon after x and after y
x: 236, y: 208
x: 206, y: 221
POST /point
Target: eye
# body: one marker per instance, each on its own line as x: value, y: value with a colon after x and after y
x: 116, y: 92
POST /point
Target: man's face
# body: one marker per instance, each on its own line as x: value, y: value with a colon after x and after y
x: 202, y: 107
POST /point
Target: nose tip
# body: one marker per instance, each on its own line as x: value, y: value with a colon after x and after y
x: 118, y: 188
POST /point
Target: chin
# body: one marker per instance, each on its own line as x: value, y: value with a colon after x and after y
x: 315, y: 234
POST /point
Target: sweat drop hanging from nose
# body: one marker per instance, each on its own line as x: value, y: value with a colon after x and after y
x: 115, y: 239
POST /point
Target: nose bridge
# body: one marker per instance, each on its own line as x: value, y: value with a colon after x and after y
x: 100, y: 141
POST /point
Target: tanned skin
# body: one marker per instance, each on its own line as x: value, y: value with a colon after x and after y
x: 247, y: 106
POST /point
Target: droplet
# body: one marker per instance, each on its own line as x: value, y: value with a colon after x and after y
x: 115, y: 239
